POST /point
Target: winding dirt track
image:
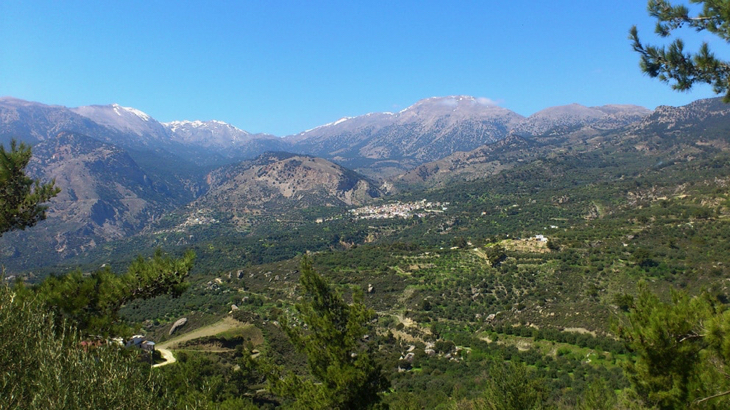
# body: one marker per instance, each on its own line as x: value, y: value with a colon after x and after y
x: 167, y: 355
x: 221, y: 326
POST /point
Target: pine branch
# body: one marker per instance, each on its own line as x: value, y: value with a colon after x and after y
x: 690, y: 337
x: 712, y: 397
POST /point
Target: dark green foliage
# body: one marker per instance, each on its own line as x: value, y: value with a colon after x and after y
x: 623, y: 301
x: 511, y: 387
x: 681, y: 350
x: 672, y: 63
x: 200, y: 381
x: 459, y: 242
x: 598, y: 396
x: 563, y: 378
x: 552, y: 245
x: 21, y: 196
x: 641, y: 257
x: 92, y: 303
x: 496, y: 255
x: 330, y: 333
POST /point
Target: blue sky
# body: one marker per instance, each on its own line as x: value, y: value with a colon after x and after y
x: 281, y: 67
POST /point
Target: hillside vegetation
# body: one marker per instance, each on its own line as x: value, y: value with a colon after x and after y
x: 579, y: 268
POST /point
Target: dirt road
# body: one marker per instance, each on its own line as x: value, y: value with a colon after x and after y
x: 167, y: 355
x: 221, y: 326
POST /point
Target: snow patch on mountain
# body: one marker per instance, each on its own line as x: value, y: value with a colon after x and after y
x: 329, y: 124
x: 119, y: 109
x: 127, y: 120
x: 175, y: 126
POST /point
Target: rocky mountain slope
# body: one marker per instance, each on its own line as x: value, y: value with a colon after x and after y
x: 104, y: 195
x: 425, y: 131
x: 384, y: 144
x: 120, y: 169
x: 279, y: 182
x: 566, y: 118
x: 138, y: 126
x: 203, y: 143
x: 377, y: 144
x: 665, y: 135
x: 33, y: 122
x: 482, y: 162
x: 222, y: 138
x: 707, y: 117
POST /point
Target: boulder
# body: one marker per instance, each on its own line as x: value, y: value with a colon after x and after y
x: 178, y: 324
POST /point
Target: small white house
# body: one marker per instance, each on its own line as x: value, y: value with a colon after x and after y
x: 148, y: 346
x: 135, y: 341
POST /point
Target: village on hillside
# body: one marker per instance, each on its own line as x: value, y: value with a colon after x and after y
x: 399, y: 209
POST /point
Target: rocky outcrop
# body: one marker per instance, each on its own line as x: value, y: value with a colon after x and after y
x: 177, y: 325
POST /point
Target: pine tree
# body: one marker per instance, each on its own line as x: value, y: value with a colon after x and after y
x: 682, y: 350
x: 512, y: 387
x: 672, y: 64
x: 92, y: 303
x: 21, y: 196
x: 330, y: 333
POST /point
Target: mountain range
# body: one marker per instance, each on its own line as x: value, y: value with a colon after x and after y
x: 376, y: 144
x: 385, y: 144
x: 121, y: 170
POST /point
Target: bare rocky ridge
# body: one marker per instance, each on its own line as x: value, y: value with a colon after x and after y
x: 33, y: 122
x: 280, y: 182
x: 667, y: 134
x: 706, y: 114
x: 566, y: 118
x: 388, y: 144
x: 222, y: 138
x: 425, y: 131
x: 202, y: 142
x: 377, y: 144
x: 126, y: 120
x: 479, y: 163
x: 678, y: 133
x: 212, y: 142
x: 207, y: 133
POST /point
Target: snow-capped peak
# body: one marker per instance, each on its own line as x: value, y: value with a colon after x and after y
x: 118, y: 109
